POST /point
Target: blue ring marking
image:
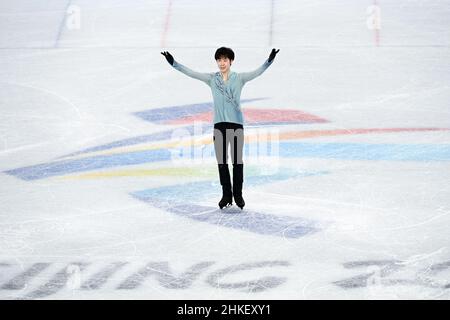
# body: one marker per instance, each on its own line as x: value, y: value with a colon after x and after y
x: 159, y: 136
x: 281, y: 226
x: 58, y: 168
x: 178, y: 199
x: 175, y: 112
x: 206, y: 189
x: 165, y: 135
x: 345, y: 151
x: 363, y: 151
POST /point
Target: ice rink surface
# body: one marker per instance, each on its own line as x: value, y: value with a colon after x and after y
x: 109, y: 185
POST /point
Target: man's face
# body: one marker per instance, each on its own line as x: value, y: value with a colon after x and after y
x: 224, y: 63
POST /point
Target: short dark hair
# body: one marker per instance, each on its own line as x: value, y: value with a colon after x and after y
x: 224, y: 51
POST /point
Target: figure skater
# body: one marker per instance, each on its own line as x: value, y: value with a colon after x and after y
x: 226, y: 87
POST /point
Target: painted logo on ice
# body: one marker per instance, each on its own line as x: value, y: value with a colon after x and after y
x: 116, y: 159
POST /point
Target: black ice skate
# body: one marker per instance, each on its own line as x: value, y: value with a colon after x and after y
x: 238, y: 175
x: 227, y: 197
x: 225, y: 202
x: 237, y: 194
x: 239, y: 200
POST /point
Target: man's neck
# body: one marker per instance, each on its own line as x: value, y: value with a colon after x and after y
x: 225, y: 75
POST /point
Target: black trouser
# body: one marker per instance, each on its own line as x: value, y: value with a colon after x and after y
x: 229, y: 134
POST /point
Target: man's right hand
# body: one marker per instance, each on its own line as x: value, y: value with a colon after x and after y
x: 168, y: 57
x: 273, y: 54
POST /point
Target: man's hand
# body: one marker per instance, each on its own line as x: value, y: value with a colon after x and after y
x: 273, y: 54
x: 168, y: 57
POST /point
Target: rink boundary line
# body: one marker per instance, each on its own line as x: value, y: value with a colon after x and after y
x: 61, y: 24
x: 272, y: 19
x: 166, y: 25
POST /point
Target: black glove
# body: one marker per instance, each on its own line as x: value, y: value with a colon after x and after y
x: 168, y: 57
x: 273, y: 54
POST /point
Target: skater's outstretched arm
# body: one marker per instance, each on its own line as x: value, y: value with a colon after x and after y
x: 205, y: 77
x: 247, y: 76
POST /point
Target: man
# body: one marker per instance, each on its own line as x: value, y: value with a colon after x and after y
x: 226, y: 87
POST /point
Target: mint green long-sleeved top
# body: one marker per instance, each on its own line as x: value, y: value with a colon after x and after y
x: 226, y: 95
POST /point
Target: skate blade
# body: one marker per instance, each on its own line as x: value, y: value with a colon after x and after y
x: 226, y: 206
